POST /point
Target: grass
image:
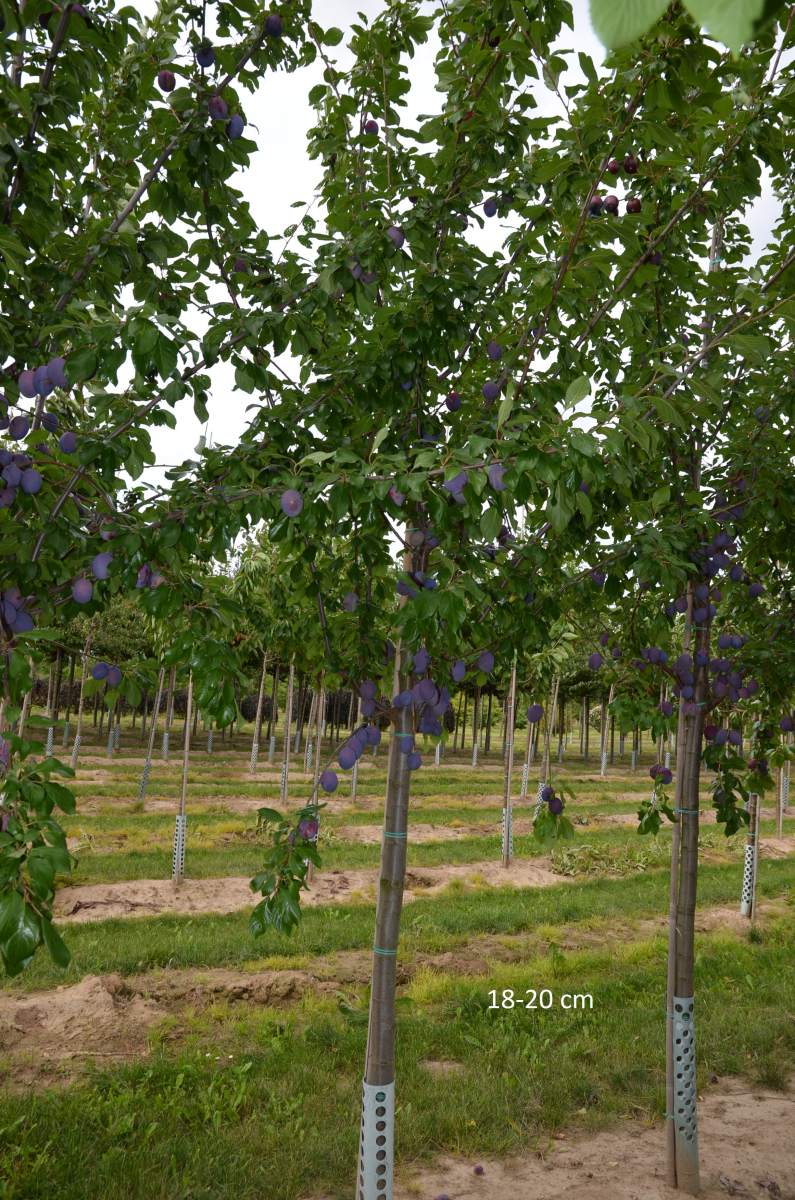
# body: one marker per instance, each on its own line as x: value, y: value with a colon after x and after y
x: 243, y: 1100
x: 109, y: 850
x: 264, y: 1104
x: 432, y: 926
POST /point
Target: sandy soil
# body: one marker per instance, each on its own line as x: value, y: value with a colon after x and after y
x: 147, y: 897
x: 371, y: 834
x: 95, y: 1018
x: 745, y: 1144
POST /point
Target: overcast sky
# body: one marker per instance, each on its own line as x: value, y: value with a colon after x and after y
x: 281, y: 173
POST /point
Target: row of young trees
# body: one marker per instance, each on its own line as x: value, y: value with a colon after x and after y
x: 579, y: 420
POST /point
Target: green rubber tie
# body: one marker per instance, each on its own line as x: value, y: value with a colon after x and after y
x: 404, y: 735
x: 687, y: 810
x: 390, y: 834
x: 384, y: 953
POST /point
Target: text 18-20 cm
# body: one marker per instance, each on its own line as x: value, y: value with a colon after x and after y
x: 543, y: 999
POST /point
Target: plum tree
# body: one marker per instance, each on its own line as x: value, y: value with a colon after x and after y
x: 347, y: 351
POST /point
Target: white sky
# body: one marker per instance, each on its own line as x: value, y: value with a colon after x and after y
x: 281, y: 173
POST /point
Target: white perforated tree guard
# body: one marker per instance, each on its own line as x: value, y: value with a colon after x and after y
x: 376, y: 1142
x: 507, y: 833
x: 210, y: 742
x: 164, y: 750
x: 539, y: 801
x: 749, y: 863
x: 111, y: 742
x: 354, y: 779
x: 50, y: 736
x: 438, y: 754
x: 117, y: 737
x: 785, y: 787
x: 746, y: 900
x: 178, y: 857
x: 66, y: 731
x: 271, y: 748
x: 525, y: 773
x: 308, y: 754
x: 667, y: 759
x: 603, y: 768
x: 684, y: 1116
x: 634, y: 760
x: 144, y: 780
x: 475, y: 752
x: 254, y: 757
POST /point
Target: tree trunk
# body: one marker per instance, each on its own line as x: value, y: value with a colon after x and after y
x: 682, y: 1068
x: 507, y: 811
x: 376, y: 1148
x: 476, y: 727
x: 71, y: 684
x: 487, y: 746
x: 258, y: 716
x: 81, y: 701
x: 288, y: 721
x: 172, y: 680
x: 152, y: 735
x: 544, y: 775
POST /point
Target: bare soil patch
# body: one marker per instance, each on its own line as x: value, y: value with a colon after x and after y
x: 423, y: 832
x: 746, y: 1151
x: 150, y: 897
x: 95, y: 1018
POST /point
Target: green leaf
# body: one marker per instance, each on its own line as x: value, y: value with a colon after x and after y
x: 19, y: 947
x: 55, y: 944
x: 578, y: 390
x: 731, y: 21
x: 504, y: 411
x: 490, y: 523
x: 12, y: 908
x: 617, y: 22
x: 660, y: 499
